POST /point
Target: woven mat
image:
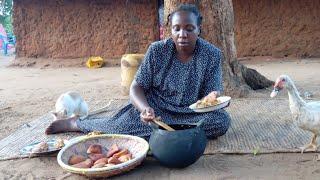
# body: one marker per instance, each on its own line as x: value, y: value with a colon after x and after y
x: 258, y: 125
x: 34, y: 132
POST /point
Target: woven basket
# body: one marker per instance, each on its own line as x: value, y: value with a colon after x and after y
x: 136, y: 145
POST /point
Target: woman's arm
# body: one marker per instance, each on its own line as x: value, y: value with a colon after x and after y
x: 138, y: 97
x: 139, y: 100
x: 213, y: 79
x: 141, y: 83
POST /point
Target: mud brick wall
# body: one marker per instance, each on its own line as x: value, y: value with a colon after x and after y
x: 82, y: 28
x: 277, y: 27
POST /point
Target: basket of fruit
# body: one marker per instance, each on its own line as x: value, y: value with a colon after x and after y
x: 103, y: 155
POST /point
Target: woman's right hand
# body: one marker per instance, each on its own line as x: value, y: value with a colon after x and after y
x: 147, y: 114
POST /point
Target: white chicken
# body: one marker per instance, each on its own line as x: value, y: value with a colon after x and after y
x: 305, y: 115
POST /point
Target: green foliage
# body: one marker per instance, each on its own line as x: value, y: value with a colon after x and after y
x: 6, y: 7
x: 7, y: 24
x: 6, y: 14
x: 256, y: 151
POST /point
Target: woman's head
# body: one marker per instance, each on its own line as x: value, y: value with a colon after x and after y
x: 185, y: 24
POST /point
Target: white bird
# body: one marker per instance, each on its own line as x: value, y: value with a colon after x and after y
x: 306, y: 115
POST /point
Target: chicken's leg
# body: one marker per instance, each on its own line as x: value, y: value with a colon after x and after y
x: 312, y: 146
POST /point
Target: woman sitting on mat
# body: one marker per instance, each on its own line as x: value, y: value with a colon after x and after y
x: 175, y: 73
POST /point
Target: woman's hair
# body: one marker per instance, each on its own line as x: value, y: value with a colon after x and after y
x: 188, y: 8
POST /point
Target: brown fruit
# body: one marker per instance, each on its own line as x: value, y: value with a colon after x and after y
x: 75, y: 159
x: 121, y: 153
x: 85, y: 164
x: 95, y: 157
x: 102, y: 160
x: 125, y: 157
x: 94, y: 149
x: 114, y: 160
x: 99, y: 165
x: 114, y: 149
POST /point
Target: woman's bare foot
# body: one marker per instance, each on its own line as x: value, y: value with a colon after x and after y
x: 63, y: 125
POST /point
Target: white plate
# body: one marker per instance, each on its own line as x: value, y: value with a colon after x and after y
x: 223, y: 102
x: 51, y: 148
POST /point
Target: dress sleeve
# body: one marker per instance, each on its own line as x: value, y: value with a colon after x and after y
x: 213, y: 80
x: 144, y: 75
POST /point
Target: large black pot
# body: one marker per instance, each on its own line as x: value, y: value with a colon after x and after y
x: 179, y: 148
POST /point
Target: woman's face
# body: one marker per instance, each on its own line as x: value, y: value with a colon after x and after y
x: 184, y: 30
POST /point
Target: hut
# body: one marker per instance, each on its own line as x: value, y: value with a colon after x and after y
x: 109, y: 28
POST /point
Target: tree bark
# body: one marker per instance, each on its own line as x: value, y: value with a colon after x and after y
x: 218, y: 28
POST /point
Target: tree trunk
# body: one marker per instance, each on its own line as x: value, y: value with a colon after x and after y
x: 218, y: 28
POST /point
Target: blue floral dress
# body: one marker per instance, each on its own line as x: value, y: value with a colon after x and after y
x: 170, y: 87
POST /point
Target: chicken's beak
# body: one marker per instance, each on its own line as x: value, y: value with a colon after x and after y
x: 274, y: 92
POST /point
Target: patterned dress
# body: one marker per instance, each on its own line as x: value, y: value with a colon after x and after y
x: 170, y: 87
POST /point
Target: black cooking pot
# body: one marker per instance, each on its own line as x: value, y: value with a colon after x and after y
x: 179, y: 148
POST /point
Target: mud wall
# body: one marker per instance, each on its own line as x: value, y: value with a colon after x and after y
x: 82, y: 28
x: 277, y: 27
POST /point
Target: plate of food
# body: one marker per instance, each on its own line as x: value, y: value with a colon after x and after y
x: 43, y: 147
x: 207, y: 105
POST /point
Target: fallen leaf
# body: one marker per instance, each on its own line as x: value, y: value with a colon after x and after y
x: 256, y: 151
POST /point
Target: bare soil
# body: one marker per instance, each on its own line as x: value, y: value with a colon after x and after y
x: 27, y: 92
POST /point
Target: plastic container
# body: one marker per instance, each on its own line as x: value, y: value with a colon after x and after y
x: 129, y: 66
x: 95, y: 62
